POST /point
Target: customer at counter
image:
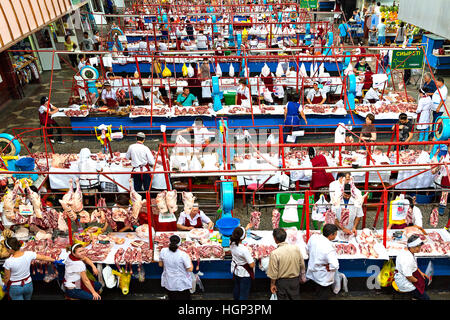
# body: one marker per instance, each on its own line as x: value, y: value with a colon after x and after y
x: 194, y: 219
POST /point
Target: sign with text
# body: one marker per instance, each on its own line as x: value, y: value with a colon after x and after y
x: 309, y: 4
x: 407, y: 59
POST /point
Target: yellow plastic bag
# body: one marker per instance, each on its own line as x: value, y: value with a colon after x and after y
x: 184, y: 69
x: 386, y: 275
x: 166, y: 72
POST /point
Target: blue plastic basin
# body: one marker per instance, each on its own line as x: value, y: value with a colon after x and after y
x: 25, y: 164
x: 227, y: 225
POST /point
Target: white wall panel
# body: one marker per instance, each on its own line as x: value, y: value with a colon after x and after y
x: 431, y: 15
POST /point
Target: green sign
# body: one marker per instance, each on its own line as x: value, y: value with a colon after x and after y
x: 407, y: 59
x: 308, y: 4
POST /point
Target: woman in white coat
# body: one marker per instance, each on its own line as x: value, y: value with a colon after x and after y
x: 424, y: 108
x: 176, y: 276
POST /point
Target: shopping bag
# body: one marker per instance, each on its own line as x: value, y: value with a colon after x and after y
x: 273, y: 296
x: 231, y: 70
x: 386, y: 275
x: 290, y: 213
x: 218, y: 71
x: 429, y: 271
x: 166, y: 72
x: 184, y: 70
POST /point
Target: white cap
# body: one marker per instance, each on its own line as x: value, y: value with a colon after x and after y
x: 140, y: 135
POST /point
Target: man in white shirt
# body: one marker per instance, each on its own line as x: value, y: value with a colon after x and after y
x: 355, y: 213
x: 408, y: 277
x: 323, y: 262
x: 141, y: 161
x: 202, y: 41
x: 337, y: 184
x: 441, y: 91
x: 201, y: 134
x: 372, y: 95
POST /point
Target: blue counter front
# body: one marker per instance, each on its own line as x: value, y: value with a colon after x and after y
x: 261, y: 121
x: 352, y: 268
x: 254, y: 67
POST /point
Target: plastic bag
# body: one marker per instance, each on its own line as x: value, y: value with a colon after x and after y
x: 195, y: 277
x: 386, y: 275
x: 190, y: 71
x: 184, y: 70
x: 264, y: 264
x: 284, y: 182
x: 279, y: 73
x: 268, y: 96
x: 231, y: 70
x: 273, y: 296
x: 265, y: 71
x: 218, y: 71
x: 340, y: 281
x: 290, y: 213
x: 429, y: 271
x: 166, y: 72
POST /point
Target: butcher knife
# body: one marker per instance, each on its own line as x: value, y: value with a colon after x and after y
x: 253, y: 235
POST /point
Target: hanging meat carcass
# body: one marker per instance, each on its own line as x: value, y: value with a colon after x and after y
x: 136, y: 200
x: 171, y: 201
x: 161, y: 202
x: 35, y: 200
x: 255, y: 219
x: 9, y: 202
x: 275, y: 218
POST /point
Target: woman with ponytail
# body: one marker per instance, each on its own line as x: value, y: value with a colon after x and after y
x: 242, y: 265
x: 17, y: 277
x: 176, y: 276
x: 76, y: 282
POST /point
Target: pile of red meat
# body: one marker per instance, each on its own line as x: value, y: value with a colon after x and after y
x: 76, y: 113
x: 259, y: 251
x: 47, y: 248
x: 199, y: 110
x: 342, y: 248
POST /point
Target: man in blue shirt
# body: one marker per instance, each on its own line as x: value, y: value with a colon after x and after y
x: 428, y: 86
x: 186, y: 99
x: 343, y: 29
x: 381, y: 27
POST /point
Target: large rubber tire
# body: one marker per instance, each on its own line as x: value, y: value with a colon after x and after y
x: 14, y: 148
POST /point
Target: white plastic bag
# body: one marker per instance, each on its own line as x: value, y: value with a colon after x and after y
x: 231, y: 70
x: 264, y: 264
x: 290, y: 213
x: 429, y: 271
x: 340, y: 281
x: 273, y: 296
x: 279, y: 73
x: 190, y: 71
x: 265, y: 71
x: 284, y: 182
x: 268, y: 96
x: 218, y: 71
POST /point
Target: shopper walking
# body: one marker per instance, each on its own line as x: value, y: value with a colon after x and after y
x: 286, y: 268
x: 177, y: 265
x: 70, y: 46
x: 49, y: 123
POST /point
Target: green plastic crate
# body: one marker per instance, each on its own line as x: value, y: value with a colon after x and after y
x: 230, y: 98
x: 282, y: 199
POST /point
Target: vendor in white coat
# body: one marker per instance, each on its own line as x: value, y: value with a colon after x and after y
x: 408, y: 277
x: 201, y: 134
x: 424, y: 109
x: 355, y: 212
x: 323, y: 262
x: 316, y: 95
x: 372, y: 95
x: 194, y: 219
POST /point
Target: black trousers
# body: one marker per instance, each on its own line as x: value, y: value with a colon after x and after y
x: 73, y: 60
x: 288, y: 289
x: 179, y: 295
x: 322, y: 293
x: 50, y: 131
x: 141, y: 181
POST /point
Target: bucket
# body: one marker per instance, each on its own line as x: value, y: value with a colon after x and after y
x: 25, y: 164
x: 227, y: 225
